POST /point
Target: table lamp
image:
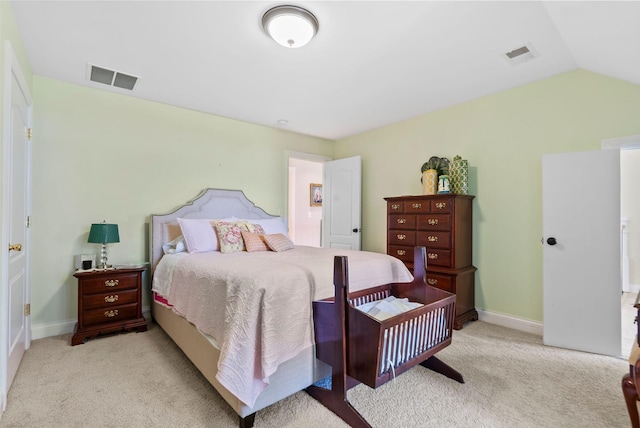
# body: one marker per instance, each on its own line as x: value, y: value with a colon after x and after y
x: 103, y: 233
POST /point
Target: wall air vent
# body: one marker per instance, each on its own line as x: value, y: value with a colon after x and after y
x: 112, y: 77
x: 521, y: 54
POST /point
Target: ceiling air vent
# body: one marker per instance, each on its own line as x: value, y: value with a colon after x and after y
x: 112, y: 77
x: 521, y: 54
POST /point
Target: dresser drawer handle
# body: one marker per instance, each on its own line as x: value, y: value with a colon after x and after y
x: 111, y: 299
x: 395, y: 206
x: 402, y: 220
x: 432, y: 256
x: 432, y: 238
x: 112, y: 313
x: 441, y: 205
x: 416, y: 206
x: 111, y: 282
x: 432, y: 281
x: 401, y: 252
x: 432, y: 221
x: 401, y: 237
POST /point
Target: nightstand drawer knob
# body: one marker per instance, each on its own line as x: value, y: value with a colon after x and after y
x: 111, y: 313
x: 432, y: 281
x: 432, y: 256
x: 111, y: 282
x: 111, y: 299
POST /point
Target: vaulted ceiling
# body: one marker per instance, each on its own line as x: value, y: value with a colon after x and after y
x: 372, y: 63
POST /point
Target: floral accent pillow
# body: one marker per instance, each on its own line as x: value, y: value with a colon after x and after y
x: 254, y: 241
x: 230, y: 236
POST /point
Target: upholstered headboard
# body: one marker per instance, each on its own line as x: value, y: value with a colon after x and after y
x: 209, y: 204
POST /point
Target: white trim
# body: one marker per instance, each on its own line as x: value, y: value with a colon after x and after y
x: 528, y: 326
x: 623, y: 143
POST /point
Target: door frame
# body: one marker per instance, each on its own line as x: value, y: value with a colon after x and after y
x: 291, y: 154
x: 11, y: 69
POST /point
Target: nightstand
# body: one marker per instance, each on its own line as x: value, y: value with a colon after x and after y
x: 108, y: 301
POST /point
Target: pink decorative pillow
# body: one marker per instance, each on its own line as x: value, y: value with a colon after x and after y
x: 278, y: 242
x: 198, y: 234
x: 254, y: 241
x: 230, y: 236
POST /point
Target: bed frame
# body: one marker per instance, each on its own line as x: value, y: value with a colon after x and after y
x: 292, y: 376
x: 358, y: 347
x: 344, y: 330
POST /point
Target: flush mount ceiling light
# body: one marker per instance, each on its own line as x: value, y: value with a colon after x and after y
x: 290, y: 26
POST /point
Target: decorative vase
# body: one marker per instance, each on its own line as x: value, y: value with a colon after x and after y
x: 443, y: 184
x: 459, y: 176
x: 430, y: 182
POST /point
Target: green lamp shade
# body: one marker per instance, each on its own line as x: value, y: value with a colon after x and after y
x: 103, y: 233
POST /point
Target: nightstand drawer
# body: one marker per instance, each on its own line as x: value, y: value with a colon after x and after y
x: 109, y: 283
x: 107, y: 315
x: 106, y: 300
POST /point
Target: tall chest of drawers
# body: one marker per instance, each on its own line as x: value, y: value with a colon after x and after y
x: 443, y: 224
x: 108, y: 301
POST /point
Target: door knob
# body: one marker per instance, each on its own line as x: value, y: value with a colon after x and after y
x: 15, y: 247
x: 552, y: 241
x: 356, y: 230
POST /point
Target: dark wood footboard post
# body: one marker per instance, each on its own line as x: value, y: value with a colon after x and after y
x: 631, y: 397
x: 335, y: 399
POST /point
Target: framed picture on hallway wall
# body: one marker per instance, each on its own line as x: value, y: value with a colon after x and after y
x: 315, y: 194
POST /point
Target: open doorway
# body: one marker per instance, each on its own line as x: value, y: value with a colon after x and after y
x: 630, y: 235
x: 304, y: 210
x: 629, y: 239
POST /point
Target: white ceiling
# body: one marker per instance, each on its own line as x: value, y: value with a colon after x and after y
x: 372, y: 63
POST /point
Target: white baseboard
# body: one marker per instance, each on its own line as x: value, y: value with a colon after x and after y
x: 40, y: 331
x: 509, y: 321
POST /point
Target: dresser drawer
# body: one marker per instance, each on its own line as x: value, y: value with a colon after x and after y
x: 437, y: 257
x: 402, y: 221
x: 403, y: 253
x: 401, y: 237
x: 108, y: 300
x: 108, y: 315
x: 416, y: 207
x: 443, y: 282
x: 108, y: 283
x: 395, y: 207
x: 441, y: 206
x: 434, y: 222
x: 434, y: 239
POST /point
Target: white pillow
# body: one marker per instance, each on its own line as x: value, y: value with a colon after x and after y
x: 175, y: 246
x: 271, y: 225
x: 199, y: 235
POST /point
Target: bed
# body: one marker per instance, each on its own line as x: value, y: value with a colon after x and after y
x: 275, y: 374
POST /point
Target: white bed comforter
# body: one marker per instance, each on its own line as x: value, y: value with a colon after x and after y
x: 257, y: 306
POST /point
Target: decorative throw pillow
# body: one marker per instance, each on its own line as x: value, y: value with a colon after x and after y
x: 278, y: 242
x: 254, y: 241
x: 198, y: 234
x: 270, y: 225
x: 250, y: 227
x: 230, y: 236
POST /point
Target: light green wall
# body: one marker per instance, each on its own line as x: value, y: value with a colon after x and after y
x: 503, y: 136
x: 104, y: 156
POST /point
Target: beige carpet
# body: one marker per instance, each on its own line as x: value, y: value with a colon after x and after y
x: 143, y: 380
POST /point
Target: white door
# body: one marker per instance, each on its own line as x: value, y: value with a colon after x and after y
x: 16, y: 331
x: 581, y: 212
x: 341, y: 204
